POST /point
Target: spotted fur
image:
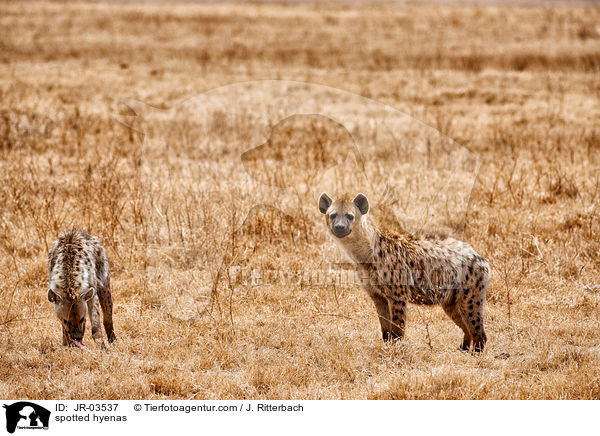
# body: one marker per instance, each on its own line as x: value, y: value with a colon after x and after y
x: 399, y: 268
x: 79, y: 283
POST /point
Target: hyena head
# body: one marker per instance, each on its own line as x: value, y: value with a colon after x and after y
x: 70, y: 309
x: 343, y: 216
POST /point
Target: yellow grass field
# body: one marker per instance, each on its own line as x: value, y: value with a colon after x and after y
x: 194, y: 141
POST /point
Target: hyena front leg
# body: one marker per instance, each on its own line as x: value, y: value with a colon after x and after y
x: 94, y: 311
x: 383, y: 311
x: 65, y: 336
x: 398, y: 306
x: 107, y: 310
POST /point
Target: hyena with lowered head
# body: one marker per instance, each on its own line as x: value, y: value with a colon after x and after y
x: 402, y: 267
x: 79, y: 279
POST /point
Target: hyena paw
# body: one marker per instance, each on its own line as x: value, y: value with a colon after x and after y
x: 391, y: 336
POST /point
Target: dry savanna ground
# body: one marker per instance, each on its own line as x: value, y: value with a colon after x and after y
x: 224, y: 280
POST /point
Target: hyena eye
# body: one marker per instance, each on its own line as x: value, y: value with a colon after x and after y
x: 81, y: 320
x: 350, y: 217
x: 333, y: 216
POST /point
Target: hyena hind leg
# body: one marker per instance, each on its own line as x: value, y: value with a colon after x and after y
x: 479, y: 336
x: 474, y: 306
x: 107, y: 310
x: 454, y: 313
x: 472, y: 309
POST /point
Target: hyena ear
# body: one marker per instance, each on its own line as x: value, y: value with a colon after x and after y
x: 361, y: 202
x: 87, y: 294
x: 324, y: 202
x: 53, y: 297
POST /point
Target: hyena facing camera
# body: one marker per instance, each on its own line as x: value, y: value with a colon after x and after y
x: 402, y: 268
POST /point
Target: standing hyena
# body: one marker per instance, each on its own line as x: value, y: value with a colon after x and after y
x: 79, y: 280
x: 402, y: 268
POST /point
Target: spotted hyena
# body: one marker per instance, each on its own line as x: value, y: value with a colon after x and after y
x: 78, y: 280
x: 399, y: 268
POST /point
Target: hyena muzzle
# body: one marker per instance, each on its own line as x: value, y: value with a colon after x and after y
x: 79, y: 283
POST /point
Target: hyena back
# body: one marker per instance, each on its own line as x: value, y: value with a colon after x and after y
x: 79, y: 282
x: 401, y: 268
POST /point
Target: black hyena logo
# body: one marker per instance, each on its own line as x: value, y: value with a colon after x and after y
x: 24, y: 414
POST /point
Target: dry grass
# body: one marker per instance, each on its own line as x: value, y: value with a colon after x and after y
x: 178, y: 208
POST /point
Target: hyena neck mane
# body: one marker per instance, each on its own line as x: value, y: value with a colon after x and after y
x: 359, y: 246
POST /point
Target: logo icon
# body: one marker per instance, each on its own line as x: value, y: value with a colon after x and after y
x: 26, y: 415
